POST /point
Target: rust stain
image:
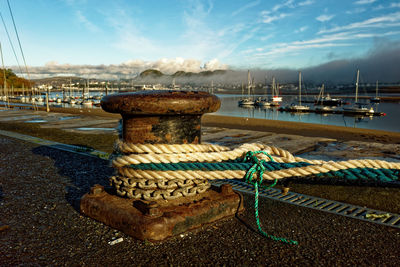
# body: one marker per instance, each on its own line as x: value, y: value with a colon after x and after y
x: 156, y: 221
x: 168, y: 137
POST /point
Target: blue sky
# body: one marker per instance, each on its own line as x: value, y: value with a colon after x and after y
x: 220, y: 33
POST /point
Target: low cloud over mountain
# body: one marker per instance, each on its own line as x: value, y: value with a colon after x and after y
x: 380, y: 63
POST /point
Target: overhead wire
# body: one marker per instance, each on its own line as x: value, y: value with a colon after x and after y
x: 11, y: 44
x: 22, y: 52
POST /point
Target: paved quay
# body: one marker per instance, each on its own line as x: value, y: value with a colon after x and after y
x: 41, y: 224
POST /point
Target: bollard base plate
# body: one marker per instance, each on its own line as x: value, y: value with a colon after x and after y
x: 159, y: 220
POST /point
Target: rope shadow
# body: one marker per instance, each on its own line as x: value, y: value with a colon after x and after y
x: 82, y: 171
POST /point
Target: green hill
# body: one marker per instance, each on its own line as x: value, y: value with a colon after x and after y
x: 151, y: 73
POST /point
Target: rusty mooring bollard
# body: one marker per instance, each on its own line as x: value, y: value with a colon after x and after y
x: 161, y: 117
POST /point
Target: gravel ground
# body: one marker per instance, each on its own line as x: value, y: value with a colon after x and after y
x: 41, y: 225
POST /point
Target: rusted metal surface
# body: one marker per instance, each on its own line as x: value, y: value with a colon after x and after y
x: 161, y: 117
x: 169, y: 117
x: 161, y: 102
x: 156, y: 221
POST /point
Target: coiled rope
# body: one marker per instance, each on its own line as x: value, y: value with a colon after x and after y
x: 164, y: 171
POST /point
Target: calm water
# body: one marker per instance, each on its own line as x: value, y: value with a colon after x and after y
x: 390, y: 122
x: 229, y: 107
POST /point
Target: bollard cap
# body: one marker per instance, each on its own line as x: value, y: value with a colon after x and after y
x: 161, y: 102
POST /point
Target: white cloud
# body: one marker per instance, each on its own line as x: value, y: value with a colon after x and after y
x: 306, y: 3
x: 301, y: 29
x: 395, y: 5
x: 364, y: 2
x: 379, y: 7
x: 276, y: 8
x: 333, y: 40
x: 290, y: 48
x: 245, y: 7
x: 345, y: 36
x: 199, y: 39
x: 356, y: 10
x: 266, y: 37
x: 128, y: 69
x: 324, y: 18
x: 88, y: 24
x: 387, y: 20
x: 269, y: 19
x: 288, y: 3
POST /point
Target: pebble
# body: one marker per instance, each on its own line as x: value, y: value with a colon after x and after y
x: 115, y: 241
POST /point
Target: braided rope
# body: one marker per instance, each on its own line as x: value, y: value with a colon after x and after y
x: 214, y: 174
x: 153, y: 172
x: 166, y: 148
x: 168, y: 171
x: 155, y: 157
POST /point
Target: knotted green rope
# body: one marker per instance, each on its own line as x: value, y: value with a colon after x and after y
x: 258, y: 168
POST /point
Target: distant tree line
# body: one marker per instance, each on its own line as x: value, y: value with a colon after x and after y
x: 13, y: 80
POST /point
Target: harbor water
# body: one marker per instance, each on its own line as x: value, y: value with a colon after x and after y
x: 390, y: 122
x: 229, y: 107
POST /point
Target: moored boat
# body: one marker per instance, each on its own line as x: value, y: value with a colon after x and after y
x: 375, y: 99
x: 358, y: 108
x: 327, y: 100
x: 247, y: 101
x: 298, y: 107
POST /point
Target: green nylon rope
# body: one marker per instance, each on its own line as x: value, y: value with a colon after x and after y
x: 258, y: 168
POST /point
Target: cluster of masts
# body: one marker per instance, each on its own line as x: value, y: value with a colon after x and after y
x: 69, y: 96
x: 275, y: 99
x: 323, y: 103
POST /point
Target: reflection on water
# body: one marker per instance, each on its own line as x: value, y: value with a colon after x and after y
x: 390, y: 122
x: 95, y: 129
x: 229, y: 107
x: 36, y: 121
x: 67, y: 118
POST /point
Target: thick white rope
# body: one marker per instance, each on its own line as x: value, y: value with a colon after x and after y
x: 153, y: 185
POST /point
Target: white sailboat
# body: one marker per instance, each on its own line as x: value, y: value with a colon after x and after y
x: 276, y: 99
x: 86, y: 102
x: 358, y: 108
x: 247, y: 101
x: 376, y: 99
x: 263, y: 102
x: 299, y: 107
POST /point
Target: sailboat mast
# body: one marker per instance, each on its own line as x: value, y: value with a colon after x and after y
x: 300, y: 88
x: 376, y: 90
x: 248, y: 83
x: 266, y: 86
x: 83, y: 90
x: 273, y: 86
x: 358, y: 77
x: 253, y: 87
x: 88, y: 89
